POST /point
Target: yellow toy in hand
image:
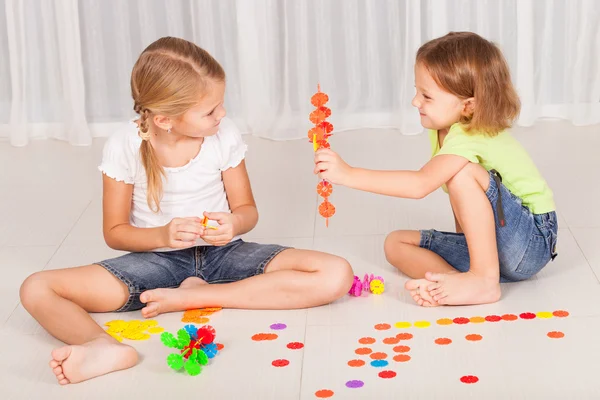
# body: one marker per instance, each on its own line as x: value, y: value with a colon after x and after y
x: 206, y: 225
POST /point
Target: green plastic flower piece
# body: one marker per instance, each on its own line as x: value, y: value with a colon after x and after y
x: 183, y: 338
x: 194, y: 355
x: 202, y: 357
x: 169, y: 340
x: 192, y: 367
x: 175, y: 361
x: 191, y: 357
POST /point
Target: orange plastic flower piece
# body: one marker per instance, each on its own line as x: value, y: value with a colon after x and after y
x: 560, y: 313
x: 319, y: 99
x: 363, y: 351
x: 326, y: 209
x: 323, y: 144
x: 402, y: 349
x: 366, y: 340
x: 402, y: 358
x: 317, y: 116
x: 316, y: 132
x: 324, y: 189
x: 391, y: 340
x: 378, y: 356
x: 259, y: 337
x: 325, y: 126
x: 326, y: 110
x: 195, y: 319
x: 404, y: 336
x: 212, y: 309
x: 356, y: 363
x: 324, y: 393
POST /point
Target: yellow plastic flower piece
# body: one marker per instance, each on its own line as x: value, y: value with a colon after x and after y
x: 544, y: 314
x: 133, y: 330
x: 422, y: 324
x: 116, y: 326
x: 377, y: 287
x: 115, y: 322
x: 115, y: 335
x: 477, y: 320
x: 134, y: 324
x: 149, y: 323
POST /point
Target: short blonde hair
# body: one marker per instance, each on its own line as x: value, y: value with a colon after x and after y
x: 168, y: 79
x: 467, y: 65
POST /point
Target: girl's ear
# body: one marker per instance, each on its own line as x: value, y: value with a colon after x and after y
x: 468, y: 106
x: 162, y: 122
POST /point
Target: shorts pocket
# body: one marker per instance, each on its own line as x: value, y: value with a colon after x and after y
x: 537, y: 255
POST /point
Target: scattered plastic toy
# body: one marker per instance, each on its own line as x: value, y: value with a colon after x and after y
x: 199, y: 316
x: 195, y: 345
x: 319, y: 137
x: 370, y: 283
x: 133, y: 330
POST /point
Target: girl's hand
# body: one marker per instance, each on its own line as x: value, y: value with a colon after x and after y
x: 224, y: 232
x: 181, y: 233
x: 330, y: 166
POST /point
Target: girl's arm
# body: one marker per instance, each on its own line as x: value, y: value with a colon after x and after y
x: 119, y: 234
x: 405, y: 184
x: 241, y: 200
x: 243, y: 216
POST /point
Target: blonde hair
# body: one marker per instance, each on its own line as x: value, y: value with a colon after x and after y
x: 467, y: 65
x: 168, y: 79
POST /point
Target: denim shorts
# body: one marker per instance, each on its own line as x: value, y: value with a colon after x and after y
x: 526, y: 242
x: 214, y: 264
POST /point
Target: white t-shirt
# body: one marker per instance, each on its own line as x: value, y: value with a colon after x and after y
x: 189, y: 190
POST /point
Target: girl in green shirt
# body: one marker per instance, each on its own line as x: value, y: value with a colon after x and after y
x: 506, y: 227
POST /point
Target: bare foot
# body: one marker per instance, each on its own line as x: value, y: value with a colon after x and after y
x: 160, y: 301
x: 464, y: 288
x: 419, y: 291
x: 73, y: 364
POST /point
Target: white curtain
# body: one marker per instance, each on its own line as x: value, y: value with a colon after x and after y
x: 65, y: 64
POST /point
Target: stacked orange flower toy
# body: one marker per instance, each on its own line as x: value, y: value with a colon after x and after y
x: 319, y: 137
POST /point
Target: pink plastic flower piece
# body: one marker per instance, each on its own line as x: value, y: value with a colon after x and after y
x: 356, y: 288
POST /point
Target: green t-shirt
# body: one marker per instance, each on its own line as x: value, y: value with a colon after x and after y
x: 504, y: 154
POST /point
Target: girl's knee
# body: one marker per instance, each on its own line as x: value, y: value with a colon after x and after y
x: 391, y: 243
x: 338, y: 277
x: 395, y: 241
x: 34, y: 289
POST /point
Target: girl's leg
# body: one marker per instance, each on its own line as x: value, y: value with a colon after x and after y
x: 402, y: 250
x: 60, y: 301
x: 293, y: 279
x: 475, y: 215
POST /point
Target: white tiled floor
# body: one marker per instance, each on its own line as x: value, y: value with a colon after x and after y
x: 50, y: 213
